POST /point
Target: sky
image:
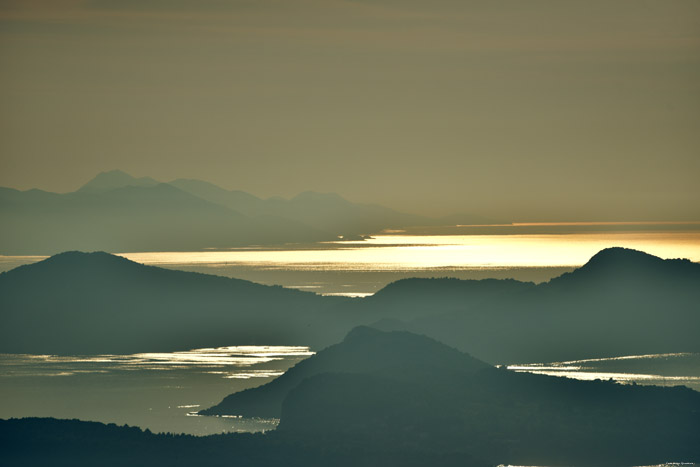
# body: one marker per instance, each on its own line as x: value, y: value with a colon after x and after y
x: 528, y: 110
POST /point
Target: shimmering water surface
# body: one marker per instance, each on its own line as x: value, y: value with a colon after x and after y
x: 162, y: 391
x: 158, y: 391
x: 673, y: 369
x: 531, y: 252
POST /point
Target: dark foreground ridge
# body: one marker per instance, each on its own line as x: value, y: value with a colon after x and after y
x: 622, y: 302
x: 425, y: 404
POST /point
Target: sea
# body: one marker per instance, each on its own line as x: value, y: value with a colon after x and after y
x: 163, y: 392
x: 359, y: 268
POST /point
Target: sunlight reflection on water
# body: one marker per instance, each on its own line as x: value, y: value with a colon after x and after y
x: 159, y: 391
x: 670, y: 369
x: 400, y: 252
x: 360, y: 268
x: 235, y: 356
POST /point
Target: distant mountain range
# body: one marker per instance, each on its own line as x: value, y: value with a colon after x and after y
x: 399, y: 399
x: 116, y: 212
x: 621, y: 302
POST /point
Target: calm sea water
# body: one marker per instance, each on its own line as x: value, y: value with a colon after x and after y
x: 158, y: 391
x: 360, y: 268
x: 672, y: 369
x: 161, y: 391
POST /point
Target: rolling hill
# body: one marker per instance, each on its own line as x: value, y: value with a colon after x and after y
x: 99, y: 303
x: 400, y: 399
x: 622, y: 302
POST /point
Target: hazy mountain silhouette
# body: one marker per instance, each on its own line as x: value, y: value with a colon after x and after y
x: 106, y: 181
x: 364, y: 350
x: 494, y: 413
x: 118, y: 213
x: 237, y: 200
x: 159, y: 217
x: 326, y: 212
x: 95, y: 303
x: 401, y: 399
x: 332, y: 213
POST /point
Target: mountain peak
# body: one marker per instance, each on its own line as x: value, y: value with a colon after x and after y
x: 361, y: 333
x: 621, y: 256
x: 612, y: 266
x: 627, y: 259
x: 75, y: 256
x: 80, y: 260
x: 105, y: 181
x: 364, y: 350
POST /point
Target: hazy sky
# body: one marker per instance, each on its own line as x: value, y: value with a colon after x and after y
x: 534, y: 110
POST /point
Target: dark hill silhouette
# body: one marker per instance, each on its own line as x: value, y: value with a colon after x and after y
x: 496, y: 414
x: 38, y: 442
x: 75, y: 303
x: 435, y: 396
x: 364, y: 350
x: 99, y: 303
x: 401, y: 399
x: 414, y: 297
x: 622, y: 302
x: 616, y: 267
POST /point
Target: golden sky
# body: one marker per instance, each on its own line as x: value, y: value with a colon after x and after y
x: 517, y: 109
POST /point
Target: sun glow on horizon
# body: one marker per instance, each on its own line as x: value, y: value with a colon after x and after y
x: 406, y: 252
